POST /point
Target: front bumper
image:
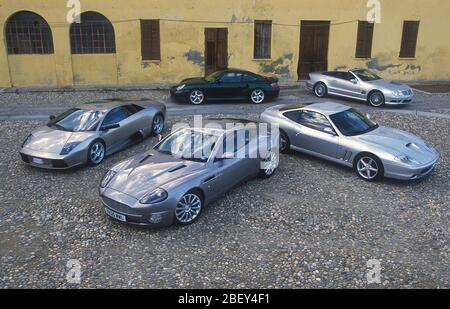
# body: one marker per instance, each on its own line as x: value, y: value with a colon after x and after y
x: 179, y: 95
x: 408, y: 173
x: 157, y: 215
x: 399, y: 100
x: 53, y: 161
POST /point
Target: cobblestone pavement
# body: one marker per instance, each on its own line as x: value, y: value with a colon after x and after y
x: 314, y: 224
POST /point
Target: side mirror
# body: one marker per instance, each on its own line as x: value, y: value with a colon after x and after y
x: 52, y: 117
x: 225, y: 156
x: 354, y: 81
x: 110, y: 126
x: 329, y: 131
x: 368, y: 116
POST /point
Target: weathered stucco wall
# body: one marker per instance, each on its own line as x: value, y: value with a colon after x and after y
x: 182, y: 41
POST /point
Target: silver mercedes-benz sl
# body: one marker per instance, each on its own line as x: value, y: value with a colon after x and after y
x: 89, y: 132
x: 341, y: 134
x: 187, y: 170
x: 360, y: 84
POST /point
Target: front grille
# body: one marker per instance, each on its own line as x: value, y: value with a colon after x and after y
x: 119, y: 207
x: 59, y: 164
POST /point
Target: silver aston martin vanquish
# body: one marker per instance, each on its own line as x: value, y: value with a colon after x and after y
x: 360, y: 84
x: 187, y: 170
x: 341, y: 134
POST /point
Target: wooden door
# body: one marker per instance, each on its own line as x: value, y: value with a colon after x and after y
x: 216, y: 49
x: 314, y: 37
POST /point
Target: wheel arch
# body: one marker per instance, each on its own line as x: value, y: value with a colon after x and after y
x: 362, y: 153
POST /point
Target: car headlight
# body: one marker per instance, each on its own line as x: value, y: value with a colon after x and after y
x: 181, y: 87
x: 397, y: 93
x: 154, y: 197
x: 107, y: 178
x: 69, y: 147
x: 406, y: 159
x: 27, y: 140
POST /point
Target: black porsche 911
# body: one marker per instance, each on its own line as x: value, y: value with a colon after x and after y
x: 230, y: 84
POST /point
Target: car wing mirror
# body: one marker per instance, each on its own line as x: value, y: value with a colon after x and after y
x: 368, y: 116
x: 225, y: 156
x: 110, y: 126
x: 329, y: 131
x: 354, y: 81
x: 52, y: 117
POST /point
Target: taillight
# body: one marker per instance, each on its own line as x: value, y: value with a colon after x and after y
x: 275, y: 86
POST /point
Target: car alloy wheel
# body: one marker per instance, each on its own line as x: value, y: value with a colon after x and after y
x: 376, y: 99
x: 97, y: 153
x: 368, y: 168
x: 257, y: 96
x: 188, y: 208
x: 320, y: 90
x: 284, y: 142
x: 197, y: 97
x: 158, y: 124
x: 270, y: 164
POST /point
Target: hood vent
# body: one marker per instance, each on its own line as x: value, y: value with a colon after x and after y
x: 145, y: 158
x: 176, y: 168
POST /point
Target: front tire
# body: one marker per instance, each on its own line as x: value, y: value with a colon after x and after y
x: 269, y: 165
x: 189, y: 208
x: 158, y: 124
x: 96, y: 153
x: 285, y: 143
x: 196, y: 97
x: 376, y: 99
x: 257, y: 96
x: 368, y: 167
x: 320, y: 90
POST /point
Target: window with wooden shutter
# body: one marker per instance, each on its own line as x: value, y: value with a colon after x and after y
x: 150, y: 40
x: 364, y: 41
x: 263, y: 39
x: 409, y: 39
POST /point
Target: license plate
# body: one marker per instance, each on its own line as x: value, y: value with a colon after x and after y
x: 115, y: 215
x: 37, y: 161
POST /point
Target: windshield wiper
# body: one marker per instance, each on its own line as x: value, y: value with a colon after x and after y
x: 59, y: 127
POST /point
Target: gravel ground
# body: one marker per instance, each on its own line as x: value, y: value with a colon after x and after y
x: 313, y: 225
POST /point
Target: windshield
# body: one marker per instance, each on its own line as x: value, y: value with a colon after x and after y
x: 366, y: 75
x: 77, y: 120
x: 189, y: 145
x: 352, y: 122
x: 214, y: 76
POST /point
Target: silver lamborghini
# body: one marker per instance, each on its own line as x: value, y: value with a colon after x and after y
x: 188, y: 169
x: 89, y: 132
x: 360, y: 84
x: 341, y: 134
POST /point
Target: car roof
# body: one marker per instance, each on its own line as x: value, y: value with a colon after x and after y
x: 108, y: 104
x: 234, y: 70
x: 326, y: 108
x: 222, y: 125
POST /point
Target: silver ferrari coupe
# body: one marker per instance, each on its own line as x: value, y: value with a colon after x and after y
x: 341, y: 134
x: 184, y: 172
x: 89, y: 132
x: 360, y: 84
